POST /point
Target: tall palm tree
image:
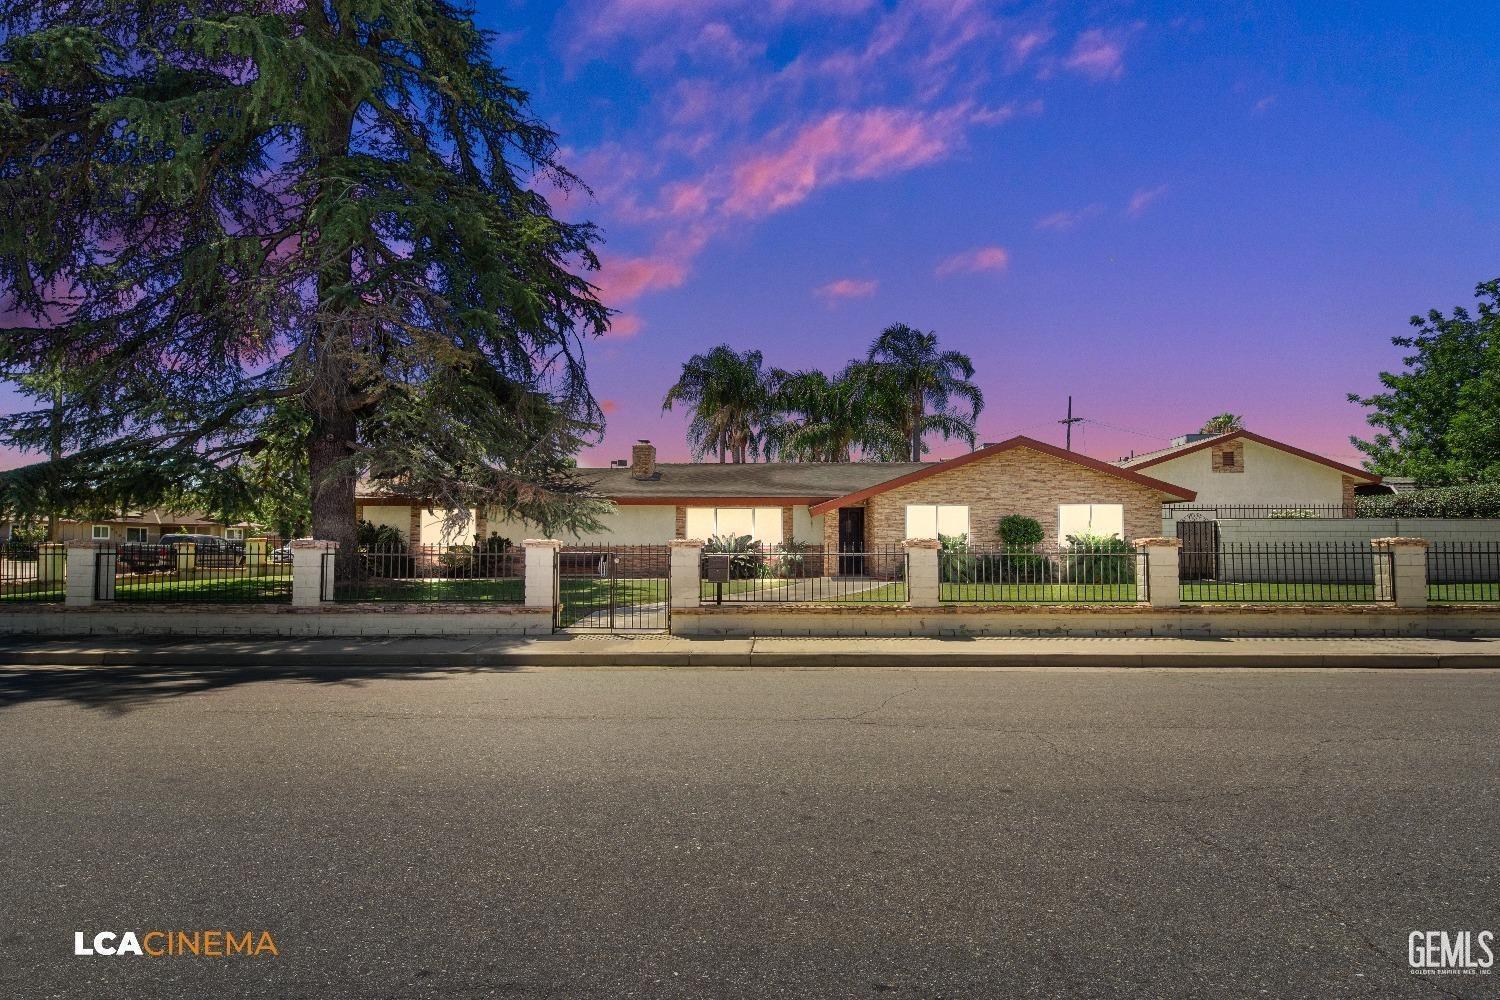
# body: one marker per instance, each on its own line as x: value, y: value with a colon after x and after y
x: 1223, y: 423
x: 822, y: 419
x: 729, y: 395
x: 914, y: 382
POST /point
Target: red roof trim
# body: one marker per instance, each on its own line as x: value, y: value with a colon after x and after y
x: 1347, y: 470
x: 640, y: 501
x: 995, y: 449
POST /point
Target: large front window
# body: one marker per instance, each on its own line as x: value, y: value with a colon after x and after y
x: 1097, y: 519
x: 762, y: 524
x: 936, y: 520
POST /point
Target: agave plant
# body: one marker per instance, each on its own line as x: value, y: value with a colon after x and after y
x: 744, y: 554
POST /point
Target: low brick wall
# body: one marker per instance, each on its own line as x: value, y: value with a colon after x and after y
x: 1087, y: 621
x: 251, y: 620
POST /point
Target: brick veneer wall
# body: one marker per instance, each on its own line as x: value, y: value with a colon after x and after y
x: 682, y: 523
x: 1348, y: 499
x: 1019, y: 481
x: 1236, y: 448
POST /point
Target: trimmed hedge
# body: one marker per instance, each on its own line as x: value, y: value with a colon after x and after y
x: 1473, y: 500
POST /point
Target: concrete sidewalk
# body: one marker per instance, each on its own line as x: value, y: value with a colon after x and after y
x: 669, y: 651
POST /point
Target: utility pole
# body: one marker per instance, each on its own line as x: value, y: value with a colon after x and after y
x: 1069, y: 422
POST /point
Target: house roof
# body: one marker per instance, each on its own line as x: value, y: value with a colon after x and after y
x: 1167, y: 454
x: 153, y: 516
x: 785, y: 482
x: 933, y: 468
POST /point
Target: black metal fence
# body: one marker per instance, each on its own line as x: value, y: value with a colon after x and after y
x: 614, y: 587
x: 1283, y: 511
x: 805, y: 574
x: 29, y: 572
x: 460, y: 573
x: 217, y: 572
x: 1042, y: 575
x: 1463, y: 572
x: 1282, y: 572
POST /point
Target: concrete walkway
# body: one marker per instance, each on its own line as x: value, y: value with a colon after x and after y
x: 668, y: 651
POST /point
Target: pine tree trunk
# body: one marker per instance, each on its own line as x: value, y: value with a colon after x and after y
x: 333, y: 487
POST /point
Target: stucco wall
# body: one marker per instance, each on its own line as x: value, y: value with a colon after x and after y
x: 1268, y: 475
x: 1019, y: 481
x: 630, y: 524
x: 388, y: 515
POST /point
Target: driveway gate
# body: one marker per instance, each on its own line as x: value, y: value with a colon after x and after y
x: 613, y: 588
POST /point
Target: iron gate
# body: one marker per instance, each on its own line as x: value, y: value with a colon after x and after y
x: 613, y: 588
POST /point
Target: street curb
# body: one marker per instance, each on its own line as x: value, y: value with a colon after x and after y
x: 333, y: 660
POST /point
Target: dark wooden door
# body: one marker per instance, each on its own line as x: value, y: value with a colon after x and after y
x: 851, y: 541
x: 1198, y: 558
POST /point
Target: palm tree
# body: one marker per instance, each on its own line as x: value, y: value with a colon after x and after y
x: 730, y: 399
x: 1223, y: 424
x: 820, y: 419
x: 913, y: 383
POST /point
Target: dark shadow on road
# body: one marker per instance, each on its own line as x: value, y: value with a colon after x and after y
x: 120, y: 689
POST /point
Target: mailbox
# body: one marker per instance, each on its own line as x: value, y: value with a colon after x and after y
x: 716, y: 568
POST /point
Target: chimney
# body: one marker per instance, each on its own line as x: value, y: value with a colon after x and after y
x: 643, y: 460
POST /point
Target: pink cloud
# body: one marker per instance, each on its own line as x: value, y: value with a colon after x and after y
x: 608, y: 406
x: 1097, y: 54
x: 624, y: 279
x: 846, y: 288
x: 972, y: 261
x: 1142, y: 200
x: 1061, y: 222
x: 843, y: 145
x: 1024, y: 44
x: 623, y: 326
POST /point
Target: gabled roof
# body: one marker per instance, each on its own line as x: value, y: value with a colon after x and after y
x: 788, y: 482
x: 933, y: 468
x: 1167, y: 454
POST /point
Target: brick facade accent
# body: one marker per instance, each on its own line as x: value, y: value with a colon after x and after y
x: 414, y: 526
x: 1020, y: 481
x: 1349, y: 482
x: 1235, y: 448
x: 786, y: 523
x: 681, y: 523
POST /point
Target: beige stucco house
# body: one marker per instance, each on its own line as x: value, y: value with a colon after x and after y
x: 846, y: 507
x: 146, y: 526
x: 1244, y: 470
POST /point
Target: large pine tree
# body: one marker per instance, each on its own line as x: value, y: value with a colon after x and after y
x: 226, y: 219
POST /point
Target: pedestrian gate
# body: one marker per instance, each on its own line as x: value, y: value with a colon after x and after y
x: 613, y: 588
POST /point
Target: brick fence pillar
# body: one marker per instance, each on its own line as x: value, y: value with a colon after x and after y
x: 1401, y: 571
x: 922, y: 572
x: 1157, y: 572
x: 312, y: 572
x: 79, y: 577
x: 541, y: 573
x: 687, y: 572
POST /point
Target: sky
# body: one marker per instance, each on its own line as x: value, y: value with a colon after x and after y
x: 1166, y: 210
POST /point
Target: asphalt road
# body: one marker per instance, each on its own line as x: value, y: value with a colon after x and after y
x: 750, y: 833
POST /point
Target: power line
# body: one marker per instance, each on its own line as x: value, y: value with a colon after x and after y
x: 1069, y: 421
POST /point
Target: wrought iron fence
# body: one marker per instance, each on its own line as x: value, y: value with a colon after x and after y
x: 1281, y: 573
x: 805, y: 574
x: 30, y: 572
x: 212, y: 572
x: 1275, y: 512
x: 460, y: 573
x: 1079, y: 574
x: 1463, y: 572
x: 614, y: 587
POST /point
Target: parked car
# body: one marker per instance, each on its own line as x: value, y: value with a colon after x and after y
x: 282, y: 554
x: 143, y: 557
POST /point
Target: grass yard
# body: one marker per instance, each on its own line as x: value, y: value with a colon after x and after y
x: 1037, y: 593
x: 511, y: 590
x: 30, y: 590
x: 1463, y: 593
x: 225, y: 589
x: 1218, y: 592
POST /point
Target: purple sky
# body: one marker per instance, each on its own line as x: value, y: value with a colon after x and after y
x: 1164, y: 209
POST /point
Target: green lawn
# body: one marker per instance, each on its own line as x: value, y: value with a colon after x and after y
x: 30, y: 590
x: 511, y: 590
x: 1037, y: 593
x: 1277, y: 593
x: 1463, y: 593
x: 223, y: 588
x: 807, y: 590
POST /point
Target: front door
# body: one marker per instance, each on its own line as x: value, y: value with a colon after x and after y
x: 851, y: 541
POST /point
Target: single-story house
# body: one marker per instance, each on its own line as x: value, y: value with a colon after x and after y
x: 846, y: 507
x: 146, y: 526
x: 1245, y: 470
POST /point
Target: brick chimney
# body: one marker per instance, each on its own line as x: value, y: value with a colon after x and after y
x: 643, y: 460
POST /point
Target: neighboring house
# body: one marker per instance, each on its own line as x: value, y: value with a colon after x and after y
x: 1241, y: 469
x: 146, y: 526
x: 847, y: 507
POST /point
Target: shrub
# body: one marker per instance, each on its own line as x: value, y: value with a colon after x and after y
x: 380, y: 537
x: 1293, y: 514
x: 956, y: 564
x: 745, y: 558
x: 1472, y: 500
x: 792, y: 560
x: 1098, y: 559
x: 1017, y: 531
